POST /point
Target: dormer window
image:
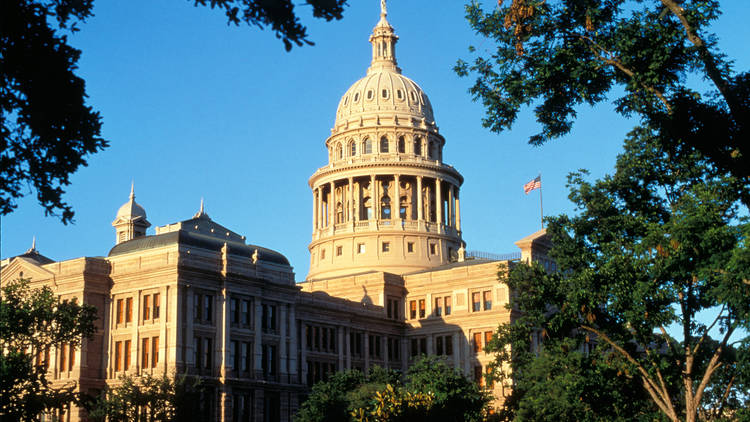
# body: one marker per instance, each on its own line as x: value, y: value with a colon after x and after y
x: 356, y: 97
x: 413, y: 96
x: 385, y: 93
x: 400, y: 94
x: 369, y: 94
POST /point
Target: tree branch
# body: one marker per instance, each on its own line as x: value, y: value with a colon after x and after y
x: 612, y: 60
x: 705, y: 56
x: 713, y: 364
x: 705, y: 333
x: 661, y: 398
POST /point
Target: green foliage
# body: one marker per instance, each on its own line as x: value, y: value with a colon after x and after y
x: 163, y: 399
x: 47, y: 128
x: 31, y: 321
x: 431, y: 390
x: 557, y: 55
x: 279, y: 15
x: 656, y: 246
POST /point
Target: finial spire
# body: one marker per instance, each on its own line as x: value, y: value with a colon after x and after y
x: 33, y: 245
x: 202, y: 211
x: 383, y: 9
x: 383, y: 41
x: 132, y: 190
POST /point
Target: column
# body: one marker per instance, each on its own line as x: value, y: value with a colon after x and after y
x: 292, y: 343
x: 458, y: 211
x: 350, y: 208
x: 373, y: 197
x: 282, y: 343
x: 315, y: 209
x: 438, y: 203
x: 456, y: 351
x: 420, y: 208
x: 332, y: 206
x: 258, y: 346
x: 321, y: 208
x: 396, y: 201
x: 451, y: 207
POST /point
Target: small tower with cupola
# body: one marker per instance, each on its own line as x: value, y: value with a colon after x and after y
x: 130, y: 221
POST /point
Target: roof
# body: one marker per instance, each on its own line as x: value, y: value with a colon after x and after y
x: 198, y: 240
x: 451, y: 265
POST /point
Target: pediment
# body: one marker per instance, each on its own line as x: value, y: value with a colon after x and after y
x: 20, y: 267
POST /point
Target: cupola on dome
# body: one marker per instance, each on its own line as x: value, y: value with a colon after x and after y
x: 384, y: 90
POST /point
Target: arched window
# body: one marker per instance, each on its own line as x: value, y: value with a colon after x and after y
x: 352, y: 148
x: 417, y: 146
x: 383, y: 144
x: 339, y: 213
x: 431, y: 149
x: 385, y: 208
x: 367, y: 146
x: 401, y: 145
x: 339, y: 151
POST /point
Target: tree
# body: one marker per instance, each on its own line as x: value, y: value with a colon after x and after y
x: 559, y: 54
x: 656, y: 247
x: 48, y: 131
x: 149, y: 398
x: 33, y: 321
x: 431, y: 390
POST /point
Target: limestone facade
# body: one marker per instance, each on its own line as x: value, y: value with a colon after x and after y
x: 389, y: 278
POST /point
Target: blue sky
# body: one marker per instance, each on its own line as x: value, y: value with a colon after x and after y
x: 195, y: 108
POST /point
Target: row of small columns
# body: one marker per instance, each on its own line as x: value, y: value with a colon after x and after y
x: 320, y: 211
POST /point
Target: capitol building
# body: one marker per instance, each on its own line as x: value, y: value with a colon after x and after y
x: 389, y: 276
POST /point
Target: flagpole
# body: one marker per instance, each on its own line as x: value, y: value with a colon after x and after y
x: 541, y: 209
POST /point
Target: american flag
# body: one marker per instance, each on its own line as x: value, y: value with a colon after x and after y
x: 534, y: 184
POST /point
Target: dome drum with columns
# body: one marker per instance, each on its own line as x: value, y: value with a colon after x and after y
x: 385, y: 201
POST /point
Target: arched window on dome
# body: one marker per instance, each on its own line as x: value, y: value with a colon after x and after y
x: 385, y: 208
x: 339, y: 213
x: 383, y: 144
x: 417, y: 146
x: 352, y: 148
x: 401, y: 145
x: 367, y: 146
x: 339, y: 151
x: 431, y: 149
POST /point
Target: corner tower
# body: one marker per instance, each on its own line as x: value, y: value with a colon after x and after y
x: 386, y: 201
x: 130, y: 221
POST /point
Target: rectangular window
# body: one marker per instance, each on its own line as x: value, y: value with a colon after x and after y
x: 439, y: 345
x: 118, y: 356
x: 129, y: 309
x: 433, y: 249
x: 332, y: 340
x: 234, y: 357
x: 414, y: 347
x: 487, y: 338
x: 477, y: 342
x: 449, y: 345
x: 339, y: 250
x: 487, y: 296
x: 234, y: 310
x: 389, y: 309
x: 146, y: 307
x: 209, y: 352
x: 126, y: 364
x: 154, y: 351
x: 208, y: 308
x: 421, y: 308
x: 386, y: 246
x: 478, y: 375
x: 438, y: 306
x: 448, y: 301
x: 410, y: 247
x: 144, y: 353
x: 120, y: 313
x: 246, y: 357
x: 412, y: 309
x: 63, y: 350
x: 156, y: 305
x: 197, y: 307
x: 197, y: 348
x: 476, y: 304
x: 246, y: 314
x: 423, y: 346
x: 360, y: 248
x: 322, y: 254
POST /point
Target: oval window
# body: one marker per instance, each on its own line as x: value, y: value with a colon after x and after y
x: 369, y: 94
x: 400, y: 94
x: 413, y: 96
x: 385, y: 93
x: 356, y: 97
x: 346, y: 99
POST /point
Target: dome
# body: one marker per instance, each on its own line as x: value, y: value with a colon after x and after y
x: 130, y: 210
x: 384, y: 91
